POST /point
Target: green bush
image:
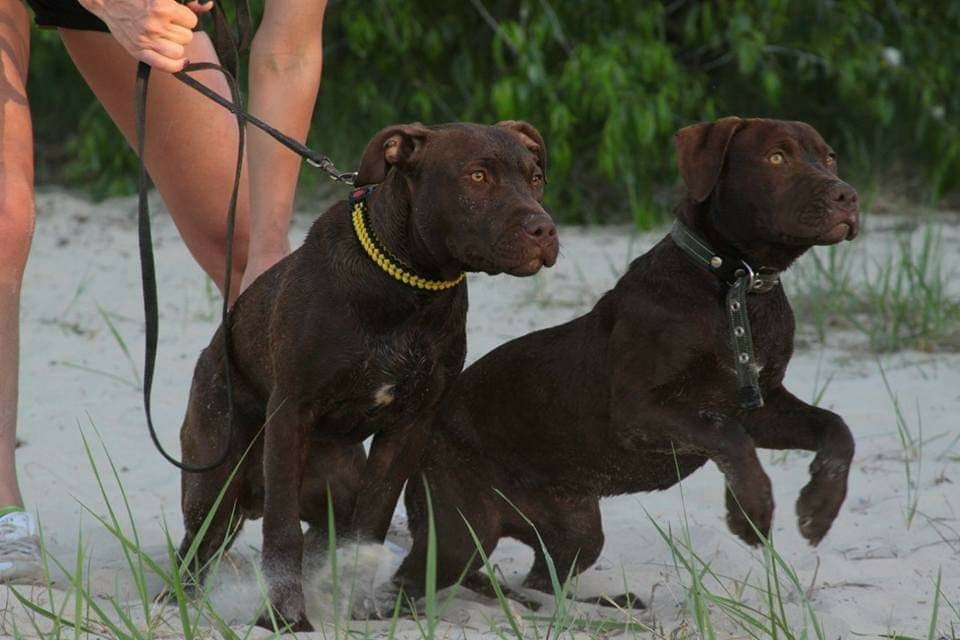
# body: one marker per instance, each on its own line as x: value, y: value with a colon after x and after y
x: 608, y: 83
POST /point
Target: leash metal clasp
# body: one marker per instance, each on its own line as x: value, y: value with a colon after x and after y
x: 348, y: 177
x: 326, y: 165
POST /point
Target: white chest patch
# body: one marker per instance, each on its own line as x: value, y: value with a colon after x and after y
x: 384, y: 395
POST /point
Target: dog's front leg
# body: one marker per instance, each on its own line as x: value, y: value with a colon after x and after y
x: 749, y: 494
x: 394, y: 456
x: 785, y: 422
x: 647, y: 428
x: 284, y: 456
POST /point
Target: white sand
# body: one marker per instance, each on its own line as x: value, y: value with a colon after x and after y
x: 871, y: 575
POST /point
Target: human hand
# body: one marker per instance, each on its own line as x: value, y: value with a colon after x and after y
x: 153, y: 31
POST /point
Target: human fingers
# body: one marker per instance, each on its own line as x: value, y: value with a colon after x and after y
x: 178, y: 34
x: 182, y: 15
x: 168, y: 49
x: 160, y: 62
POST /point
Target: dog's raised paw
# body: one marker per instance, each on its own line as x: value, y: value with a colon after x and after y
x: 820, y: 500
x: 816, y: 510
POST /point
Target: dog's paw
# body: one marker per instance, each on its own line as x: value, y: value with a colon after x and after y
x: 750, y: 511
x: 168, y: 596
x: 626, y: 600
x: 820, y: 500
x: 287, y: 609
x: 379, y: 604
x: 164, y: 598
x: 528, y: 602
x: 283, y: 626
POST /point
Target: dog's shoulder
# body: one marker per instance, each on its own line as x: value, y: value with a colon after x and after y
x: 662, y: 287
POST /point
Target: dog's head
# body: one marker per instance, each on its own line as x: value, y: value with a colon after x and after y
x: 768, y: 181
x: 475, y: 192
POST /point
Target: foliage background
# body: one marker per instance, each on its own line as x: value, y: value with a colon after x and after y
x: 607, y: 82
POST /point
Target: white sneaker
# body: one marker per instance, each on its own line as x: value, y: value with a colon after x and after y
x: 19, y: 549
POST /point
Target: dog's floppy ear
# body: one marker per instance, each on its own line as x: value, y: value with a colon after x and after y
x: 398, y: 145
x: 530, y: 138
x: 701, y: 150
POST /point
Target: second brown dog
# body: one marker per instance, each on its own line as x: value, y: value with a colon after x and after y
x: 646, y: 388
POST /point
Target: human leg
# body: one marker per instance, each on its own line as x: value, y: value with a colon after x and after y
x: 286, y: 59
x: 19, y: 547
x: 190, y: 147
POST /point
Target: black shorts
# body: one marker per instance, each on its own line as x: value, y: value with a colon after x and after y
x: 65, y: 14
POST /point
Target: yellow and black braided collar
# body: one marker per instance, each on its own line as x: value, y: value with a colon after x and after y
x: 382, y: 257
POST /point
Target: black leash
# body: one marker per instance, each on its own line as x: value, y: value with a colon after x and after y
x: 742, y: 280
x: 148, y: 270
x: 227, y: 44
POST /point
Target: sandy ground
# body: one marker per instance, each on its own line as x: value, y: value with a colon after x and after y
x: 872, y: 574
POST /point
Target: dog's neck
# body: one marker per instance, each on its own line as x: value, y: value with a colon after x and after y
x: 702, y: 218
x: 391, y: 217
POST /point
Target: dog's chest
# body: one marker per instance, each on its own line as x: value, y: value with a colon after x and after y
x: 710, y: 380
x: 399, y: 377
x: 401, y: 374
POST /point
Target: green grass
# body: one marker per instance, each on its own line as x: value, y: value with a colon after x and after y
x: 134, y: 380
x: 911, y: 446
x: 756, y: 609
x: 900, y: 299
x: 769, y: 601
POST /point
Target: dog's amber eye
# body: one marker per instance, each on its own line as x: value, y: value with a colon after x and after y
x: 776, y: 158
x: 831, y: 159
x: 537, y: 179
x: 478, y: 176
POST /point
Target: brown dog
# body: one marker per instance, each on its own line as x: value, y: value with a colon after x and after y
x: 333, y: 344
x: 644, y: 389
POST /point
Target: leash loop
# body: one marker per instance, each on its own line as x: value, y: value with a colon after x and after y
x: 147, y: 264
x: 148, y: 270
x: 227, y: 50
x: 226, y: 46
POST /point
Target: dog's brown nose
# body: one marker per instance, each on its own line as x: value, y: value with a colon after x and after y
x: 843, y: 195
x: 541, y: 229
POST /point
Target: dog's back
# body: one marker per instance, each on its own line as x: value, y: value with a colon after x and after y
x: 535, y: 411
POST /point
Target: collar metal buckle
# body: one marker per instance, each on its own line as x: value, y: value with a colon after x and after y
x: 760, y: 281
